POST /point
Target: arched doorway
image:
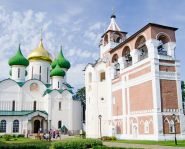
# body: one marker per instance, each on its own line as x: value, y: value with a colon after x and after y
x: 36, y: 126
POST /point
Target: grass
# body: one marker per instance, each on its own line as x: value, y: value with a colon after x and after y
x: 180, y: 143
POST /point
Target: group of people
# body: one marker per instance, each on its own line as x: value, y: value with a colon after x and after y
x: 51, y: 134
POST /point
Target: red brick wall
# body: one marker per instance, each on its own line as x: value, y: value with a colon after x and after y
x: 168, y: 94
x: 167, y: 68
x: 117, y: 107
x: 140, y: 73
x: 141, y: 97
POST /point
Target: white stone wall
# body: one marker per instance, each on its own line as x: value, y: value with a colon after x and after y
x: 57, y: 82
x: 35, y: 67
x: 70, y: 113
x: 22, y: 73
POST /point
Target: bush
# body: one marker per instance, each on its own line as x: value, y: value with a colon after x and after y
x: 35, y: 145
x: 20, y: 136
x: 7, y: 137
x: 77, y: 144
x: 107, y: 138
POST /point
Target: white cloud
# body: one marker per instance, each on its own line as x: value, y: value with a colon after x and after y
x: 75, y: 75
x: 81, y: 53
x: 24, y: 27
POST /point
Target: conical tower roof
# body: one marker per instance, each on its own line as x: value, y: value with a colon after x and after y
x: 113, y: 25
x: 18, y: 59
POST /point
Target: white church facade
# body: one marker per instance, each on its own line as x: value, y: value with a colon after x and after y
x: 37, y: 97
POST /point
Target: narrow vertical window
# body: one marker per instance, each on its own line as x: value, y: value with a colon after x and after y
x: 40, y: 74
x: 59, y: 106
x: 13, y: 105
x: 59, y: 124
x: 47, y: 75
x: 32, y: 72
x: 58, y: 85
x: 34, y: 106
x: 18, y: 72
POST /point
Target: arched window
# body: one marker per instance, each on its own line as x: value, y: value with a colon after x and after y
x: 3, y: 126
x: 162, y: 41
x: 59, y: 106
x: 127, y: 59
x: 13, y: 105
x: 146, y: 127
x: 105, y: 40
x: 15, y: 126
x: 116, y: 65
x: 171, y: 127
x: 59, y: 124
x: 34, y: 106
x: 142, y: 48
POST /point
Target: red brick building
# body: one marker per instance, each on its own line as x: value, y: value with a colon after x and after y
x: 135, y: 85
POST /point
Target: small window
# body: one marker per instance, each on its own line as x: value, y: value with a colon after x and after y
x: 32, y: 72
x: 59, y: 124
x: 3, y: 126
x: 146, y: 127
x: 47, y: 75
x: 58, y: 84
x: 40, y: 74
x: 13, y: 105
x: 171, y: 127
x: 18, y: 72
x: 34, y: 105
x: 15, y: 126
x: 102, y: 99
x: 102, y: 76
x: 59, y: 106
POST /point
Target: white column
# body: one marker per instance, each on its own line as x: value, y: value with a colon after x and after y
x: 152, y: 45
x: 171, y: 49
x: 121, y: 63
x: 135, y: 55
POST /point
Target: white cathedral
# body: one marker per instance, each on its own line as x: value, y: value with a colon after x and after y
x: 37, y: 97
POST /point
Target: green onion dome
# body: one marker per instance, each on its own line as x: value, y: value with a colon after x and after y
x: 62, y: 61
x: 57, y: 71
x: 18, y: 59
x: 54, y: 63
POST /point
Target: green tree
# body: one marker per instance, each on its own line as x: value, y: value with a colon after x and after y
x: 80, y: 95
x: 183, y: 90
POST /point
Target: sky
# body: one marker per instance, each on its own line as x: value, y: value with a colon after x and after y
x: 77, y: 25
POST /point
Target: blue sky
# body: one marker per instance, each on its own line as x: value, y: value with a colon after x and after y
x: 78, y: 25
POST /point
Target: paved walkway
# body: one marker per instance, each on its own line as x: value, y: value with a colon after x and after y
x: 115, y: 144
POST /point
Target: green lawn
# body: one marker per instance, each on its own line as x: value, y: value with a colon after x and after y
x: 181, y: 143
